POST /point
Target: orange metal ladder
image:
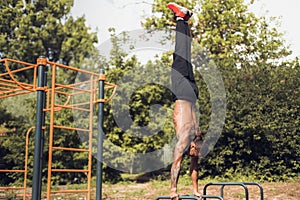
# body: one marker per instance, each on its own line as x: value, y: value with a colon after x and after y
x: 55, y: 107
x: 82, y: 106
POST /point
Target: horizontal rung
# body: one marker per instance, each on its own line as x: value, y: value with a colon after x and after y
x: 71, y: 128
x: 70, y: 170
x: 70, y: 149
x: 69, y: 191
x: 8, y: 170
x: 71, y: 87
x: 73, y: 107
x: 12, y: 188
x: 211, y: 197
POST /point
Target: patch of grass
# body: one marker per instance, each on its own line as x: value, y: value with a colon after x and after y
x: 159, y: 184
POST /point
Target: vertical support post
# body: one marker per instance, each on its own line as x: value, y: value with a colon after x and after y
x: 51, y: 130
x: 40, y: 120
x: 100, y: 136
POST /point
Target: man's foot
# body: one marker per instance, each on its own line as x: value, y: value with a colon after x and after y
x: 180, y: 12
x: 197, y: 194
x: 174, y: 196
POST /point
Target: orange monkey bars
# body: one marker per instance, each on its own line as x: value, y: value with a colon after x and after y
x: 53, y: 96
x: 9, y: 85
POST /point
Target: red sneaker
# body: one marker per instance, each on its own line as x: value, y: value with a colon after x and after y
x: 180, y: 11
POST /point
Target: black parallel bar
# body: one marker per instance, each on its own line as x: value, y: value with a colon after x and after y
x: 211, y: 197
x: 223, y: 184
x: 180, y: 197
x: 100, y: 139
x: 259, y: 186
x: 38, y: 142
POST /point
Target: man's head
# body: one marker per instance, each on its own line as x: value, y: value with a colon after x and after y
x: 196, y: 145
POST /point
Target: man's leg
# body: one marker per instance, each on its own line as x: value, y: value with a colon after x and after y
x: 182, y: 53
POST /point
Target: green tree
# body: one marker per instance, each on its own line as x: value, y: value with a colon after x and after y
x: 27, y: 31
x: 4, y: 132
x: 226, y: 29
x: 43, y: 28
x: 138, y: 95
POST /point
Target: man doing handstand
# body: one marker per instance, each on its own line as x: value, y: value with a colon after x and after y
x: 185, y: 94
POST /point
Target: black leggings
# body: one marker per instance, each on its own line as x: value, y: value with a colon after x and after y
x: 183, y: 81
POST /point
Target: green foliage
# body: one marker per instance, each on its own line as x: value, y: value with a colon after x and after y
x: 43, y: 28
x: 226, y: 29
x: 17, y: 121
x: 145, y: 102
x: 260, y: 134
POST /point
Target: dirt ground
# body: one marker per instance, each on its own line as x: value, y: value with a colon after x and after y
x: 151, y: 190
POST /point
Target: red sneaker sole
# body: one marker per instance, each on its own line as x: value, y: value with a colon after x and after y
x: 176, y: 10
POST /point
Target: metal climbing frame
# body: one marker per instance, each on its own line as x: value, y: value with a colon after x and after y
x: 78, y: 97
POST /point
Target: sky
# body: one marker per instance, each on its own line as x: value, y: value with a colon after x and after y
x: 126, y: 15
